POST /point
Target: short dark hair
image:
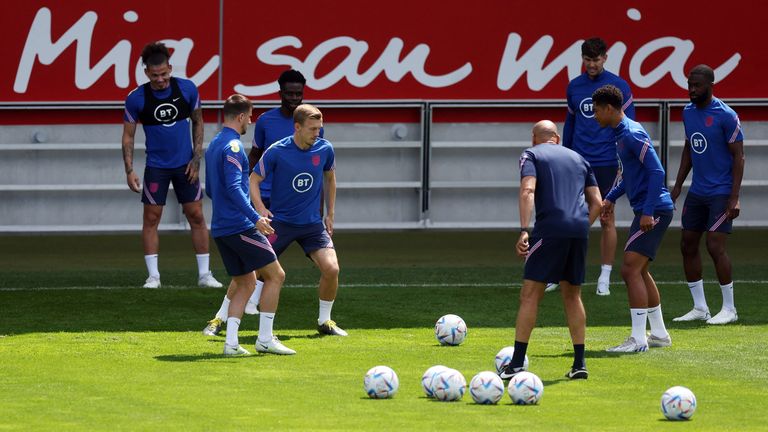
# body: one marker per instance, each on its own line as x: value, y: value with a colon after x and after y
x: 155, y: 54
x: 235, y: 105
x: 705, y: 71
x: 593, y: 47
x: 293, y: 76
x: 608, y: 95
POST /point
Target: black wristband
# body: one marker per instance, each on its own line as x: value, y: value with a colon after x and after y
x: 528, y: 230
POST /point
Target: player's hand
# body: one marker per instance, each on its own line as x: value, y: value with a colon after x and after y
x: 606, y: 210
x: 734, y: 208
x: 675, y: 193
x: 522, y: 245
x: 646, y: 223
x: 264, y: 227
x: 193, y: 170
x: 133, y: 181
x: 328, y: 219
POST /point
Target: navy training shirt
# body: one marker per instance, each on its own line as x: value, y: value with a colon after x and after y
x: 561, y: 176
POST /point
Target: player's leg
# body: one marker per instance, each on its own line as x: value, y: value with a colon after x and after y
x: 190, y: 197
x: 659, y: 336
x: 716, y: 246
x: 243, y: 285
x: 252, y: 308
x: 273, y: 276
x: 632, y: 273
x: 544, y: 262
x: 695, y: 215
x: 575, y: 314
x: 318, y: 246
x: 213, y: 327
x: 153, y: 195
x: 328, y: 264
x: 606, y: 177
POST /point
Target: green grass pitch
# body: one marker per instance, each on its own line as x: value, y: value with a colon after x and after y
x: 81, y: 348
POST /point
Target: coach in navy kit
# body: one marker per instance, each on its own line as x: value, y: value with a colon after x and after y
x: 714, y: 148
x: 302, y: 166
x: 567, y: 200
x: 239, y: 231
x: 643, y: 182
x: 165, y: 106
x: 595, y: 143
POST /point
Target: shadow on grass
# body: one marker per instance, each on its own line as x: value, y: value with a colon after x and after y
x: 134, y: 310
x: 203, y: 357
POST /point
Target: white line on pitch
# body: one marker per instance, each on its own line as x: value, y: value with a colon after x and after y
x: 368, y: 285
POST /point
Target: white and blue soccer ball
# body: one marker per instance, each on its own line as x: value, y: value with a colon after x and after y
x: 486, y: 388
x: 678, y: 403
x: 450, y: 330
x: 449, y: 385
x: 525, y: 388
x: 504, y: 357
x: 381, y: 382
x: 428, y: 377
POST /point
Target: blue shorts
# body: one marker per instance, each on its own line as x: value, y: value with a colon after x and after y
x: 556, y: 259
x: 156, y: 181
x: 607, y: 177
x: 309, y: 237
x: 708, y: 213
x: 245, y: 252
x: 647, y: 243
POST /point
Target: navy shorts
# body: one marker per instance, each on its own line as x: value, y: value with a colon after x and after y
x: 709, y: 213
x: 607, y: 177
x: 156, y: 181
x: 647, y: 243
x: 556, y: 259
x: 245, y: 252
x: 309, y: 237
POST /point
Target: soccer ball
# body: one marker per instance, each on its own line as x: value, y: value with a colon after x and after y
x: 381, y: 382
x: 428, y: 377
x: 449, y: 385
x: 504, y: 357
x: 486, y: 388
x: 525, y: 388
x: 450, y: 330
x: 678, y: 403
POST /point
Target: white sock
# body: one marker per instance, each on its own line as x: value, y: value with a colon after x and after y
x: 656, y: 319
x: 233, y: 325
x: 223, y: 312
x: 639, y: 320
x: 605, y: 273
x: 325, y: 311
x: 203, y: 262
x: 697, y: 292
x: 256, y: 296
x: 728, y: 296
x: 266, y: 320
x: 151, y: 261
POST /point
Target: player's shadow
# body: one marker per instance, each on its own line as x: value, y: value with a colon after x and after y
x: 203, y: 357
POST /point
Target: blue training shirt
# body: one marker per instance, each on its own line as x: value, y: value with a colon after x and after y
x: 271, y: 127
x: 642, y: 176
x: 226, y: 183
x: 168, y: 146
x: 582, y: 133
x: 297, y: 179
x: 561, y: 176
x: 710, y: 132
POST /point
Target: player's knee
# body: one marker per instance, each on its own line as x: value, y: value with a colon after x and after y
x: 629, y: 271
x: 195, y: 216
x: 330, y: 270
x: 151, y: 219
x: 715, y: 249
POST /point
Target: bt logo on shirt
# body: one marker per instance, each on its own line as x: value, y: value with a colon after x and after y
x: 302, y: 182
x: 166, y: 113
x: 587, y: 108
x: 698, y: 143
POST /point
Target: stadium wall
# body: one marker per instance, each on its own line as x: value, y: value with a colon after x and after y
x: 429, y: 106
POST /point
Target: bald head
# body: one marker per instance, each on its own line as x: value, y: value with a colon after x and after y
x: 545, y: 131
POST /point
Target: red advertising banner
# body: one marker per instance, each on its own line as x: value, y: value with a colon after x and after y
x: 88, y: 50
